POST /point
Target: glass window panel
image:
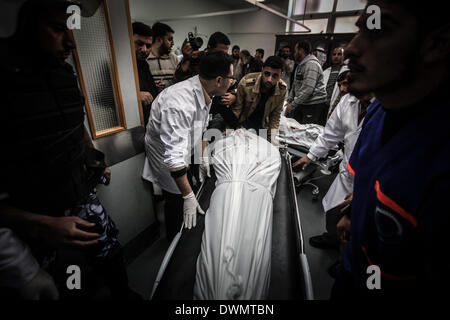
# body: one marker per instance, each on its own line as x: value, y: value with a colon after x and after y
x: 316, y: 25
x: 313, y: 6
x: 348, y: 5
x: 345, y: 25
x: 96, y: 61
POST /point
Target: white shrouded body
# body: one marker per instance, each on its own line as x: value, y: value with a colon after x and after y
x: 234, y: 262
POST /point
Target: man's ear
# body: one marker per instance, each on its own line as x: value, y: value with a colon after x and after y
x: 217, y: 81
x: 436, y: 46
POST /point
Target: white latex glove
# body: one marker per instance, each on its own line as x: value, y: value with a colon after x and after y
x: 190, y: 208
x: 41, y: 287
x: 205, y: 170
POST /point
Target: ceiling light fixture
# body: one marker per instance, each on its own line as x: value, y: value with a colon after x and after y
x: 263, y: 6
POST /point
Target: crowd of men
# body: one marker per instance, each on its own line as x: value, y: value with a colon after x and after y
x: 386, y: 108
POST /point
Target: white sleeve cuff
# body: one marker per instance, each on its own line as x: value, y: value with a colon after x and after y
x: 311, y: 156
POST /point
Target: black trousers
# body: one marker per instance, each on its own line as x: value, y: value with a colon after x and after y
x: 173, y: 208
x: 343, y: 287
x: 332, y: 218
x: 173, y: 213
x: 314, y: 113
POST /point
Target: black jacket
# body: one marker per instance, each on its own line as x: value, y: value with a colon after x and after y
x: 146, y: 83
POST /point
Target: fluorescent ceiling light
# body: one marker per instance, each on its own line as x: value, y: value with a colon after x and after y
x: 267, y: 8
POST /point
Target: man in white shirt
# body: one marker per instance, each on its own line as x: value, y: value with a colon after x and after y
x: 178, y: 118
x: 344, y: 125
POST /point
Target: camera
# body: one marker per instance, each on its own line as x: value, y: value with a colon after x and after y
x: 196, y: 42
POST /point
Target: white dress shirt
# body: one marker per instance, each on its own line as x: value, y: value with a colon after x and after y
x: 178, y: 118
x: 342, y: 126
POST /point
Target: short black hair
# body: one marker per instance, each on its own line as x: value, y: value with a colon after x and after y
x: 142, y: 29
x: 214, y: 64
x: 286, y: 46
x: 160, y: 30
x: 342, y: 76
x: 305, y: 45
x: 236, y: 47
x: 246, y: 53
x: 31, y: 11
x: 216, y: 38
x: 260, y: 50
x: 273, y: 62
x: 428, y: 20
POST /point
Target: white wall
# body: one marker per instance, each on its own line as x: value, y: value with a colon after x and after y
x: 256, y: 30
x: 128, y: 198
x: 150, y: 12
x: 248, y: 30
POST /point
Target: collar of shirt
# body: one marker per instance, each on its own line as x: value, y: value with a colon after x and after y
x: 151, y: 56
x: 207, y: 97
x: 304, y: 60
x: 200, y: 93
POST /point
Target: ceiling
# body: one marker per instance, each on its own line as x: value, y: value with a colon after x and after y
x: 280, y: 5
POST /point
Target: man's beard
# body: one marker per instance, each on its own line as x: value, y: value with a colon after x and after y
x: 267, y: 85
x: 141, y: 56
x: 235, y: 56
x: 164, y: 49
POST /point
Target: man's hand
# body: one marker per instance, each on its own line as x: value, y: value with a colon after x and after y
x: 160, y: 85
x: 41, y: 287
x: 107, y: 175
x: 204, y: 170
x: 190, y: 208
x: 343, y: 230
x: 146, y: 98
x: 64, y: 231
x: 305, y: 161
x: 289, y: 107
x: 347, y: 201
x: 228, y: 99
x: 185, y: 65
x: 186, y: 49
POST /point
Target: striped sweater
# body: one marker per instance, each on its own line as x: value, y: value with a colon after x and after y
x: 163, y: 67
x: 308, y: 87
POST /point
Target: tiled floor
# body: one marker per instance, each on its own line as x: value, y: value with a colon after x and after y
x: 143, y: 271
x: 313, y: 223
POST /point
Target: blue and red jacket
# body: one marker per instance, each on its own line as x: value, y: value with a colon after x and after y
x: 400, y: 213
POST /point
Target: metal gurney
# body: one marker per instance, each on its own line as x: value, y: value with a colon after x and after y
x: 289, y: 275
x: 299, y: 138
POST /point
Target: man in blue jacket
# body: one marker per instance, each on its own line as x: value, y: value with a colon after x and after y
x: 399, y: 214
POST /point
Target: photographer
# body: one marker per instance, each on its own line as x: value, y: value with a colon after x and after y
x: 189, y: 66
x: 222, y: 116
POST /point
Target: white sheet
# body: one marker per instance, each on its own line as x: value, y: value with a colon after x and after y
x: 295, y: 133
x: 234, y: 262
